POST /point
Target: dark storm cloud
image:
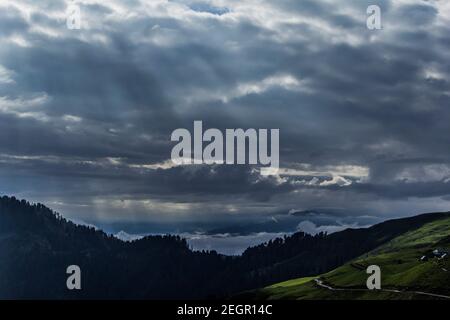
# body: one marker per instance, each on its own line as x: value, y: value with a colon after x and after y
x: 86, y: 115
x: 417, y: 15
x: 11, y: 22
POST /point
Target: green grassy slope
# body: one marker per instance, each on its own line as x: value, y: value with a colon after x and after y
x: 401, y: 269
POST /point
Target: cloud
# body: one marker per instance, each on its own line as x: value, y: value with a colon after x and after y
x: 228, y: 244
x: 311, y: 228
x: 6, y: 76
x: 86, y: 115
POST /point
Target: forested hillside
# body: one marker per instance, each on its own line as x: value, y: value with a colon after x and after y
x: 37, y: 245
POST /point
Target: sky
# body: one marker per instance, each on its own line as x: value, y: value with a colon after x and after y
x: 364, y: 115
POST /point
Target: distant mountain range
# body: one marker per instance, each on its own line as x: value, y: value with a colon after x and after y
x: 124, y: 236
x: 37, y: 245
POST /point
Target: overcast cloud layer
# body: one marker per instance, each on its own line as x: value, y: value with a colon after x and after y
x: 364, y: 116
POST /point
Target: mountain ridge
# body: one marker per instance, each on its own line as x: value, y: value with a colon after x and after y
x: 414, y: 265
x: 37, y: 245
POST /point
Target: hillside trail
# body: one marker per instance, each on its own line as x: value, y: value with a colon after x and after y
x: 328, y: 287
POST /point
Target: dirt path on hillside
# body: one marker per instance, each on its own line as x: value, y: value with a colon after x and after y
x: 328, y: 287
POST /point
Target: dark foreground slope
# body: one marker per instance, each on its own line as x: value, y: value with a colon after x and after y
x: 37, y: 245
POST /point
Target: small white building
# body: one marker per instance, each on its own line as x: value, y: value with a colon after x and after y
x: 440, y: 253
